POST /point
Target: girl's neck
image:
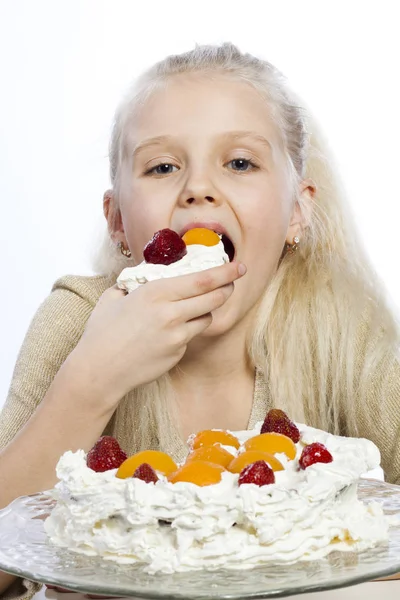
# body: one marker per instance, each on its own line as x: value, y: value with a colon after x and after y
x: 214, y: 358
x: 214, y: 384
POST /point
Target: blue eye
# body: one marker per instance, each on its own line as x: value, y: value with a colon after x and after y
x: 242, y: 164
x: 161, y: 169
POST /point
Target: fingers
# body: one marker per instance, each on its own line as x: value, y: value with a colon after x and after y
x: 197, y: 326
x: 197, y: 284
x: 111, y: 294
x: 198, y: 306
x: 115, y: 291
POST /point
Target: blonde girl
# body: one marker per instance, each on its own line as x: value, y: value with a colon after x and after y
x: 297, y: 320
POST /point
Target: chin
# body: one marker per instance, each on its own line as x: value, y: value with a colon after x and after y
x: 223, y: 322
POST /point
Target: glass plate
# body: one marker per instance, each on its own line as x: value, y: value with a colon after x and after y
x: 25, y: 551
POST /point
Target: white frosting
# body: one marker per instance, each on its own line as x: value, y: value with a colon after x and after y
x: 304, y: 515
x: 197, y: 258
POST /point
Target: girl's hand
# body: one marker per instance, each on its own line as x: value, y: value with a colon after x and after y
x: 133, y: 339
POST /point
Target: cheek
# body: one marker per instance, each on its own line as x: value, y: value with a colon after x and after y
x: 265, y: 228
x: 141, y: 218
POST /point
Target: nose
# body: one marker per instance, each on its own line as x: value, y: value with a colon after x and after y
x: 199, y: 189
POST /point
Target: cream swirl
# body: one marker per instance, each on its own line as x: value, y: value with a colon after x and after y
x: 197, y: 258
x: 169, y: 527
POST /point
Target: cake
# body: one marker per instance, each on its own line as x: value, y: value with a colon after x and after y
x: 169, y: 255
x: 280, y: 493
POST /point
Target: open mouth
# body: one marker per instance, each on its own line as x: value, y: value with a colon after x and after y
x: 217, y: 228
x: 228, y: 246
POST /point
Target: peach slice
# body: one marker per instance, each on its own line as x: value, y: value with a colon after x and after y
x: 158, y: 460
x: 198, y: 472
x: 202, y: 236
x: 272, y: 443
x: 251, y: 456
x: 213, y: 454
x: 209, y: 437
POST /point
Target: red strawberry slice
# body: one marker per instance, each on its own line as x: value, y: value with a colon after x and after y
x: 146, y: 473
x: 277, y: 421
x: 106, y: 454
x: 165, y: 247
x: 314, y: 453
x: 259, y: 473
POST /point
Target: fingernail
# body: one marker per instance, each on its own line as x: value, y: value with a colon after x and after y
x: 242, y: 269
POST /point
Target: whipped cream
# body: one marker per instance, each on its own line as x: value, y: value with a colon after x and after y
x: 197, y: 258
x: 169, y: 527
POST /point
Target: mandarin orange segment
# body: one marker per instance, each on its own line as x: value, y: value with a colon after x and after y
x: 209, y: 437
x: 213, y: 454
x: 272, y: 443
x: 251, y: 456
x: 158, y: 460
x: 201, y: 235
x: 198, y: 472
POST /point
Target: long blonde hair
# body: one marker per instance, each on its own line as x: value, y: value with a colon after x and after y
x: 323, y: 326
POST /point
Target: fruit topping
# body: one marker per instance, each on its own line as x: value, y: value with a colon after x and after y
x: 258, y: 473
x: 202, y: 236
x: 213, y: 454
x: 251, y: 456
x: 159, y: 461
x: 106, y: 454
x: 272, y: 443
x: 146, y: 473
x: 165, y: 247
x: 198, y: 472
x: 314, y: 453
x: 208, y: 437
x: 277, y: 421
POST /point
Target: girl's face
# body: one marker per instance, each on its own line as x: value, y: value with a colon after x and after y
x: 206, y: 152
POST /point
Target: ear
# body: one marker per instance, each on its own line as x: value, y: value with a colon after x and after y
x: 113, y: 215
x: 302, y: 210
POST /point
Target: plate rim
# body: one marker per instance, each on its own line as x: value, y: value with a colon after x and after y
x: 279, y: 592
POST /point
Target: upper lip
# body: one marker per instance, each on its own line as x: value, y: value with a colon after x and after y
x: 214, y: 225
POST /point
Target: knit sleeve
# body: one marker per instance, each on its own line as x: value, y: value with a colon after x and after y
x: 376, y: 394
x: 379, y: 415
x: 21, y: 589
x: 53, y: 333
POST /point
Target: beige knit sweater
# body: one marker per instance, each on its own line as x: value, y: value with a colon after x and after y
x: 55, y: 331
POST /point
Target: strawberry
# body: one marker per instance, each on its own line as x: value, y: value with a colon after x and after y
x: 106, y: 454
x: 277, y: 421
x: 314, y: 453
x: 259, y: 473
x: 165, y: 247
x: 146, y: 473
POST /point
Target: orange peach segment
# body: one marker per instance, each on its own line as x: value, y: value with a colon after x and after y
x: 272, y: 443
x: 209, y: 437
x: 251, y: 456
x: 213, y: 454
x: 201, y: 235
x: 198, y: 472
x: 158, y: 460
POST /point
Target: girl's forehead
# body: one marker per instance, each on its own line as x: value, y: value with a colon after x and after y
x: 201, y: 106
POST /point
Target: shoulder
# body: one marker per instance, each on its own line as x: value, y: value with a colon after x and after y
x: 87, y: 287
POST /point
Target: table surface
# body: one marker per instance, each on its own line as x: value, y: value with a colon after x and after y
x: 374, y: 590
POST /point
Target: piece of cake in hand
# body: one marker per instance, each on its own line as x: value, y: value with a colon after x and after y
x: 241, y: 499
x: 169, y: 255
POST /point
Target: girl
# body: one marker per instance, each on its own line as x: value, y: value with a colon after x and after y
x: 210, y: 138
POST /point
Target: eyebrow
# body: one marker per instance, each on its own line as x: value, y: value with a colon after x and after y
x: 234, y: 135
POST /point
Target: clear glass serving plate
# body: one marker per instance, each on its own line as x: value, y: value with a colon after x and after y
x: 26, y: 551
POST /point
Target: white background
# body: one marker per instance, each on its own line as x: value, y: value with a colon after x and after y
x: 65, y: 64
